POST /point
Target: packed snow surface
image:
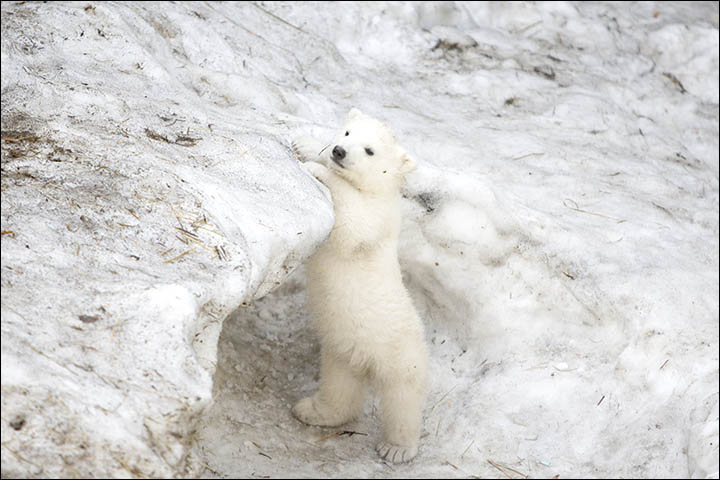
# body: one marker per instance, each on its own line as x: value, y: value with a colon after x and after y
x: 560, y: 236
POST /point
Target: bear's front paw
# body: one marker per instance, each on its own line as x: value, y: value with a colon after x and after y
x: 306, y: 148
x: 317, y: 170
x: 396, y: 453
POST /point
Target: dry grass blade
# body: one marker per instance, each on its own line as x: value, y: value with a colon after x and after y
x: 523, y: 475
x: 190, y: 238
x: 17, y: 137
x: 156, y: 136
x: 186, y: 141
x: 209, y: 230
x: 221, y: 253
x: 211, y: 469
x: 676, y: 81
x: 450, y: 464
x: 340, y: 433
x: 179, y: 256
x: 455, y: 467
x: 134, y: 471
x: 441, y: 399
x: 528, y: 27
x: 499, y: 468
x: 323, y: 439
x: 529, y: 155
x: 350, y: 433
x: 188, y: 233
x: 468, y: 448
x: 574, y: 206
x: 199, y: 221
x: 505, y: 468
x: 278, y: 18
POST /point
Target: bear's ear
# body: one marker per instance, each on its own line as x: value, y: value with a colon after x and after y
x: 408, y: 164
x: 354, y: 113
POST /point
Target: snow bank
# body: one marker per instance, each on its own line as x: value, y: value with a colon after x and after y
x: 137, y: 213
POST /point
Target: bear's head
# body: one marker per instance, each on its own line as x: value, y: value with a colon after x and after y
x: 366, y: 153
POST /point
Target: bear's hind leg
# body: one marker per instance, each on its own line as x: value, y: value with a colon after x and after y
x: 341, y: 396
x: 401, y: 405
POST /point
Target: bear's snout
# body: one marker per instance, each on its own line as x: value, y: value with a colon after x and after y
x: 338, y: 153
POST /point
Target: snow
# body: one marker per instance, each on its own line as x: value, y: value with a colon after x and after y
x: 136, y: 216
x: 560, y: 236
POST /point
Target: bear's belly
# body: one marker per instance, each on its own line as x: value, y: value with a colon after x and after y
x: 355, y: 290
x: 361, y: 309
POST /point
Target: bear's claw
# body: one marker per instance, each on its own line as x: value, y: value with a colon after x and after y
x: 395, y: 453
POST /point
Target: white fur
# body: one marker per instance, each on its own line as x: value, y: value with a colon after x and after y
x: 369, y: 331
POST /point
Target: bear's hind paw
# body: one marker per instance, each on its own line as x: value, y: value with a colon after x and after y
x: 396, y: 453
x: 307, y: 411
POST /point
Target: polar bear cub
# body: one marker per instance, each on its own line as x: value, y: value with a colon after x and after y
x: 370, y: 333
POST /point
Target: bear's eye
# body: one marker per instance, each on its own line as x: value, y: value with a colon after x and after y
x: 347, y: 133
x: 369, y: 152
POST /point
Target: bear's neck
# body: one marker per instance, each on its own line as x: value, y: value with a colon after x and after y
x: 365, y: 221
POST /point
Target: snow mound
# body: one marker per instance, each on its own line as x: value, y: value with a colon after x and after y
x: 137, y: 213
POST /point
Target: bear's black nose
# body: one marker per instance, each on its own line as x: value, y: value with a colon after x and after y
x: 338, y: 153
